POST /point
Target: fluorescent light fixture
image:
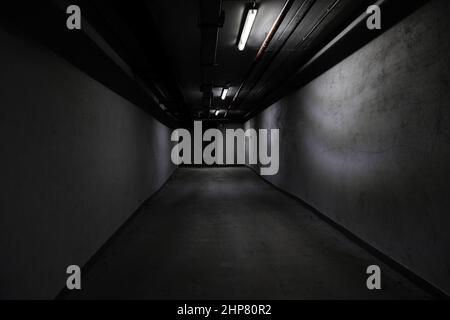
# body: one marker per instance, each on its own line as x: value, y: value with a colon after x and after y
x: 251, y: 15
x: 224, y: 93
x: 217, y: 112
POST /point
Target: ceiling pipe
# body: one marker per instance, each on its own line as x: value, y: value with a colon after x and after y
x: 322, y: 18
x: 287, y: 5
x: 314, y: 27
x: 343, y: 45
x: 297, y: 18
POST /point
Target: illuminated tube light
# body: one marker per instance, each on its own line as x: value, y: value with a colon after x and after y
x: 251, y: 15
x: 224, y: 93
x: 217, y: 113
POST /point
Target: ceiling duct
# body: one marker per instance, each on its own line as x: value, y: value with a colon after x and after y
x: 211, y: 19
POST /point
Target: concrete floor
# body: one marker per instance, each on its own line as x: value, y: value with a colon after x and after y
x: 223, y: 233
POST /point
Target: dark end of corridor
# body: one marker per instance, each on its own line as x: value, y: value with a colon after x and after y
x: 224, y: 233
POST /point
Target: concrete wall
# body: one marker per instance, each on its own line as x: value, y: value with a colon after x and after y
x: 76, y: 161
x: 368, y: 143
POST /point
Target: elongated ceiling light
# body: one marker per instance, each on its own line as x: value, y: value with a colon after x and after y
x: 224, y: 93
x: 217, y: 112
x: 251, y: 15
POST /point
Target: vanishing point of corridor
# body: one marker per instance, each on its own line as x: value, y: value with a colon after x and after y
x: 225, y: 150
x: 224, y: 233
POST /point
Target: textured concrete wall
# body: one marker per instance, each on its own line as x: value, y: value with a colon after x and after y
x: 222, y: 127
x: 76, y: 161
x: 368, y: 143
